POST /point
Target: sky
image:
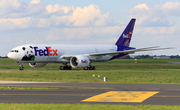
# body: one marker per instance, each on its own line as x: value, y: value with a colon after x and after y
x: 90, y: 22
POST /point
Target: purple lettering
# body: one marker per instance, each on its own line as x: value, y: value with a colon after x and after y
x: 35, y: 48
x: 85, y: 61
x: 41, y: 52
x: 46, y: 52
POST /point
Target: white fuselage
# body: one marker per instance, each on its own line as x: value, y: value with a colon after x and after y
x: 45, y: 53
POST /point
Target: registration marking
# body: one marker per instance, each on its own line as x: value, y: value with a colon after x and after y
x: 122, y: 96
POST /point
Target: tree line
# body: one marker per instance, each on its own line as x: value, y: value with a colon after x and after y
x: 151, y: 57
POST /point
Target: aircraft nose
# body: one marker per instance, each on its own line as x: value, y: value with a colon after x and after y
x: 9, y: 55
x: 12, y: 56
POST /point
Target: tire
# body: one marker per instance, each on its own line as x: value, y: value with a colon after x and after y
x: 69, y: 68
x: 61, y: 67
x: 93, y: 68
x: 21, y: 68
x: 64, y: 67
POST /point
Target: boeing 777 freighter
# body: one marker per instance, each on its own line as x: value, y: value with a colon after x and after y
x: 78, y: 55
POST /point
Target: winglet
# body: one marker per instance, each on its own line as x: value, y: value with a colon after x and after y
x: 125, y: 38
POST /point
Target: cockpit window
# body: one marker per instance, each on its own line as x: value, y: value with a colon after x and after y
x: 15, y: 51
x: 24, y: 48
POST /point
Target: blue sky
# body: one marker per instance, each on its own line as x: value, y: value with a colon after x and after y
x: 91, y: 22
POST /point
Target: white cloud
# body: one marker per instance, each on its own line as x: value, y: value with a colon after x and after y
x: 57, y: 7
x: 17, y: 9
x: 35, y: 8
x: 147, y: 16
x: 14, y: 4
x: 172, y: 30
x: 102, y: 33
x: 141, y: 6
x: 13, y: 23
x: 154, y: 16
x: 35, y: 1
x: 172, y: 8
x: 87, y: 16
x: 49, y: 16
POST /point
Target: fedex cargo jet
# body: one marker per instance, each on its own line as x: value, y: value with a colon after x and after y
x: 78, y: 55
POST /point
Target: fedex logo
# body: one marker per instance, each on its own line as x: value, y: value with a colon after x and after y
x: 46, y: 52
x: 85, y: 61
x: 126, y: 36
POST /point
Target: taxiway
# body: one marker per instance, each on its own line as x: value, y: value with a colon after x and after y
x: 92, y: 93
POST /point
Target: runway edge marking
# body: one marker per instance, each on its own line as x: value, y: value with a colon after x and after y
x: 122, y: 96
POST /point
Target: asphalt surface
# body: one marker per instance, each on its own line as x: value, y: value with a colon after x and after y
x: 77, y: 92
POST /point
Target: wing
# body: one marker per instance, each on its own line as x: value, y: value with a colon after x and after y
x: 96, y: 55
x: 127, y: 51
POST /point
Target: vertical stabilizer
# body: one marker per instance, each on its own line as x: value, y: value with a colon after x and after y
x: 125, y: 38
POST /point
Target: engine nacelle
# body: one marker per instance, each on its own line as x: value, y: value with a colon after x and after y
x: 79, y: 61
x: 37, y: 64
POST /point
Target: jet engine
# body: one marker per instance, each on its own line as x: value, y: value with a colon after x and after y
x: 37, y: 64
x: 79, y: 61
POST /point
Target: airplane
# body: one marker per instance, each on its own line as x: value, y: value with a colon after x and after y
x: 78, y: 55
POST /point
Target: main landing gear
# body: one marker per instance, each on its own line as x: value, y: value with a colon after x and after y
x: 21, y: 66
x: 89, y: 68
x: 66, y: 67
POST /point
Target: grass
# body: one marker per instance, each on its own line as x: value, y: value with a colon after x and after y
x: 117, y: 71
x: 114, y: 76
x: 84, y: 107
x: 9, y: 87
x: 7, y: 64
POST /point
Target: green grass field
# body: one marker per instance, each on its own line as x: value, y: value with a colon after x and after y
x: 6, y: 64
x: 117, y: 71
x: 114, y: 76
x: 84, y: 107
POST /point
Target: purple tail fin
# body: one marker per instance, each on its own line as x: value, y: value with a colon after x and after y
x: 126, y: 36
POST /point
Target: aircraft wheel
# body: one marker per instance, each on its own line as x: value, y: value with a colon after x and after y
x: 21, y: 68
x: 61, y: 67
x: 69, y: 68
x: 64, y: 67
x: 90, y: 68
x: 87, y: 68
x: 93, y: 68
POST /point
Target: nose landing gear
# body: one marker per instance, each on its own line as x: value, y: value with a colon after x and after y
x: 21, y: 66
